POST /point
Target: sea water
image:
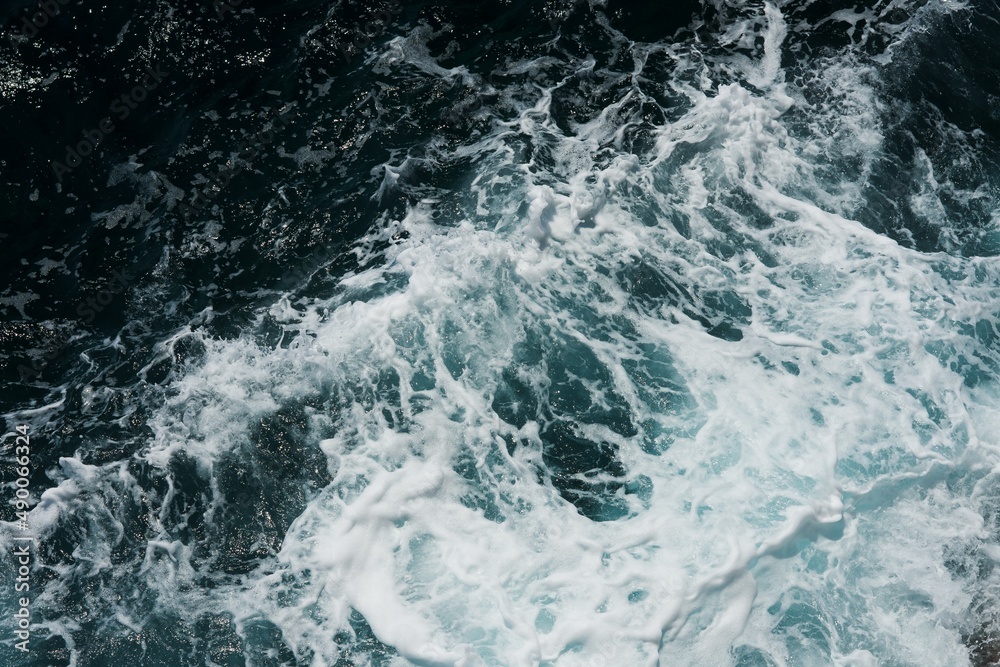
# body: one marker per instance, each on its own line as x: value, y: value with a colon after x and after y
x: 555, y: 336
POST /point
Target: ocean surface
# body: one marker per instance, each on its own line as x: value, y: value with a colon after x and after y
x: 550, y: 333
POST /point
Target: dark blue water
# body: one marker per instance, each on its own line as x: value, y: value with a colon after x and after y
x: 541, y: 333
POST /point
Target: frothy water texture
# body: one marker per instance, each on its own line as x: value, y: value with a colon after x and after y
x: 676, y: 348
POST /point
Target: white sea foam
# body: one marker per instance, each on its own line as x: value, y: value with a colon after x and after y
x: 803, y: 477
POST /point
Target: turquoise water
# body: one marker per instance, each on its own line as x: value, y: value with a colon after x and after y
x: 543, y: 337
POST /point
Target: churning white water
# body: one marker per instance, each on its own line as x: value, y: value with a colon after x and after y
x: 619, y: 403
